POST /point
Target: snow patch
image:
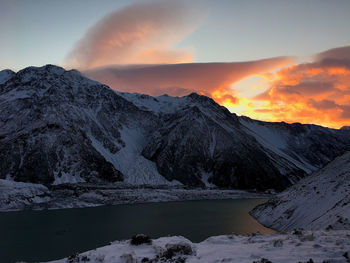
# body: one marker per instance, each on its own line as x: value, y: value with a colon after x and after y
x: 205, y: 177
x: 67, y: 178
x: 160, y: 104
x: 136, y: 169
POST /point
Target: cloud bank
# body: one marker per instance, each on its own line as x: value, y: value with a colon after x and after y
x: 211, y: 79
x: 315, y: 92
x: 137, y: 34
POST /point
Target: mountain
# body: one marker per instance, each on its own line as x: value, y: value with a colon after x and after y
x: 59, y: 127
x: 203, y: 140
x: 319, y: 201
x: 5, y: 75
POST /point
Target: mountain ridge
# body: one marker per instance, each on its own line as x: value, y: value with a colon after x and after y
x: 59, y: 127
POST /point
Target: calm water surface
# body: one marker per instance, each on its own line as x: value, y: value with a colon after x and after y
x: 47, y: 235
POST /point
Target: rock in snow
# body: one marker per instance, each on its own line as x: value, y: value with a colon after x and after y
x: 320, y: 246
x: 59, y: 127
x: 319, y: 201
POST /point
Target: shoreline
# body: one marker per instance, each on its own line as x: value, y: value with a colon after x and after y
x: 22, y: 196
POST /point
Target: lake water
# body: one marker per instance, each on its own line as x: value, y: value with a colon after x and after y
x: 47, y: 235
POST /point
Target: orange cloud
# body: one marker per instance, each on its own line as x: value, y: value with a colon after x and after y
x: 142, y: 33
x: 224, y: 96
x: 211, y: 79
x: 316, y: 92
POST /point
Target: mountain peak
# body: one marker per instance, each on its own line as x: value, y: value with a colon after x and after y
x: 5, y: 75
x: 50, y: 75
x: 7, y: 71
x: 200, y: 98
x: 197, y: 96
x: 49, y: 68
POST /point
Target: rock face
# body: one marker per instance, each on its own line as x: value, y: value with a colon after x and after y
x: 57, y: 126
x: 195, y: 141
x: 319, y: 201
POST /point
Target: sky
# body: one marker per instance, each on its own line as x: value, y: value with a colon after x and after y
x: 263, y: 59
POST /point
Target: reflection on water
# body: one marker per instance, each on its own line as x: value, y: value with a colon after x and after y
x: 48, y: 235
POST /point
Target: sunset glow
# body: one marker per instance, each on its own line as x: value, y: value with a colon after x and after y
x: 317, y: 92
x: 248, y: 63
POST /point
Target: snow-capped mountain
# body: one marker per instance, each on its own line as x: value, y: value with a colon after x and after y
x: 57, y: 126
x: 316, y: 202
x: 203, y: 140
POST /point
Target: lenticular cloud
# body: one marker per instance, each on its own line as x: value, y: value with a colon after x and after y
x: 142, y: 33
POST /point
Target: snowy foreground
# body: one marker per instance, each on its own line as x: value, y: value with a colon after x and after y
x: 19, y: 196
x: 320, y: 246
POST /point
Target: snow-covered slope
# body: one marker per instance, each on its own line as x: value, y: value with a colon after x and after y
x: 319, y: 201
x: 57, y: 126
x: 330, y: 246
x: 302, y: 145
x: 160, y: 105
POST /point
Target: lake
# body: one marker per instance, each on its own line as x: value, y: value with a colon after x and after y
x: 52, y: 234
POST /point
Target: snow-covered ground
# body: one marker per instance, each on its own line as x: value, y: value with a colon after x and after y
x: 320, y: 246
x: 319, y: 201
x: 18, y: 196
